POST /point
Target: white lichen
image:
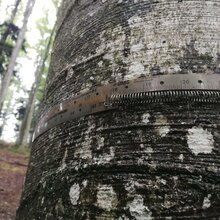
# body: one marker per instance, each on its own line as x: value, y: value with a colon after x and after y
x: 136, y: 69
x: 74, y: 193
x: 61, y: 106
x: 106, y: 197
x: 51, y: 134
x: 164, y: 130
x: 123, y: 217
x: 138, y: 210
x: 85, y: 183
x: 135, y: 21
x: 148, y: 150
x: 142, y: 146
x: 181, y: 157
x: 63, y: 163
x: 145, y: 118
x: 206, y: 202
x: 200, y: 140
x: 100, y: 142
x: 163, y: 181
x: 130, y: 187
x: 44, y: 184
x: 42, y: 200
x: 161, y: 125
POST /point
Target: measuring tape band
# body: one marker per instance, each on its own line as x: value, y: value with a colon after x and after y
x: 167, y: 88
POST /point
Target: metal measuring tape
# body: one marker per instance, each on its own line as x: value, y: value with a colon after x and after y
x: 154, y: 89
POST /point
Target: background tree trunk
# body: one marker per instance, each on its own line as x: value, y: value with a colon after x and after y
x: 11, y: 66
x: 6, y: 33
x: 6, y: 113
x: 26, y: 122
x: 14, y: 11
x: 11, y: 20
x: 151, y: 161
x: 29, y: 110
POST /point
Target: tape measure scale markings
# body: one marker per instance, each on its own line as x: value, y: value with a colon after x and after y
x: 165, y: 88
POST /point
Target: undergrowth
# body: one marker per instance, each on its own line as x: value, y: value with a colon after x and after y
x: 24, y: 150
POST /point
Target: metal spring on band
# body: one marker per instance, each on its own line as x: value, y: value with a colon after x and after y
x: 166, y: 96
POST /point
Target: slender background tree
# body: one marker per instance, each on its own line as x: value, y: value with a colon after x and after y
x: 45, y: 45
x: 8, y: 75
x: 8, y: 29
x: 36, y: 48
x: 21, y: 101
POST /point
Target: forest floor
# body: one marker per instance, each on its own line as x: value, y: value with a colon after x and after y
x: 13, y: 166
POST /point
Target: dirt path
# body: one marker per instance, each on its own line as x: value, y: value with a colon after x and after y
x: 13, y: 167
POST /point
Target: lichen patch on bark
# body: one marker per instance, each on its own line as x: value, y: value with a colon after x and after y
x: 74, y: 193
x: 206, y: 202
x: 162, y: 127
x: 200, y: 140
x: 106, y: 197
x: 63, y: 163
x: 135, y: 70
x: 138, y: 210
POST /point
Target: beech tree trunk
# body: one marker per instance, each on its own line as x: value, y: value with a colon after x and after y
x: 147, y: 161
x: 8, y: 75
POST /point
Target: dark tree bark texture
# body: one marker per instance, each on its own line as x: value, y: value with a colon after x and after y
x: 146, y: 161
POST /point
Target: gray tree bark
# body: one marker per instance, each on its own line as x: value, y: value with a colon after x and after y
x: 26, y: 122
x: 148, y: 161
x: 8, y: 75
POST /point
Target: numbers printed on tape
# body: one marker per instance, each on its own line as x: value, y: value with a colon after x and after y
x: 197, y: 87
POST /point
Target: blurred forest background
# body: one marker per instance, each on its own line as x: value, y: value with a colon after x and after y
x: 26, y: 36
x: 27, y: 30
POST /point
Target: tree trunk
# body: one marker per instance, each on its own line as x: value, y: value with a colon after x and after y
x: 26, y: 123
x: 11, y: 20
x: 14, y: 11
x: 6, y: 113
x: 8, y: 75
x: 153, y: 154
x: 7, y: 31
